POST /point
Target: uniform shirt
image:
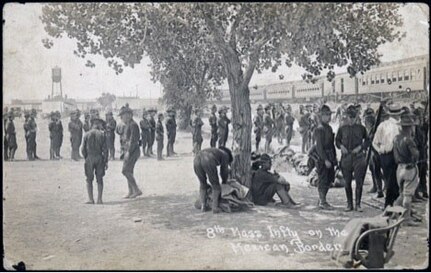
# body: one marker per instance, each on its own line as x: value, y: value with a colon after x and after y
x: 405, y: 150
x: 75, y: 127
x: 369, y: 121
x: 268, y: 123
x: 132, y: 136
x: 386, y: 132
x: 289, y: 120
x: 352, y: 136
x: 152, y: 125
x: 55, y: 129
x: 216, y: 157
x: 171, y: 124
x: 325, y: 148
x: 86, y: 126
x: 223, y: 125
x: 213, y: 122
x: 262, y: 181
x: 421, y: 140
x: 258, y: 123
x: 304, y: 121
x: 197, y: 124
x: 26, y: 126
x: 111, y: 125
x: 121, y: 127
x: 145, y: 126
x: 159, y: 130
x: 94, y: 145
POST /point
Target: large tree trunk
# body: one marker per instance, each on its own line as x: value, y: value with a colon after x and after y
x: 241, y: 120
x: 185, y: 116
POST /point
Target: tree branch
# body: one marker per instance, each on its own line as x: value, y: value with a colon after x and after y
x: 238, y: 17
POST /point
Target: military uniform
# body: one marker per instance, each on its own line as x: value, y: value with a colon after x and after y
x: 159, y: 139
x: 171, y: 130
x: 95, y: 152
x: 258, y: 127
x: 353, y: 163
x: 268, y: 129
x: 279, y: 125
x: 145, y: 134
x: 75, y: 129
x: 110, y: 128
x: 213, y: 124
x: 152, y: 132
x: 10, y: 135
x: 196, y: 125
x: 205, y: 164
x: 223, y: 130
x: 289, y: 120
x: 27, y: 132
x: 304, y: 127
x: 86, y: 126
x: 325, y: 151
x: 120, y: 131
x: 421, y: 139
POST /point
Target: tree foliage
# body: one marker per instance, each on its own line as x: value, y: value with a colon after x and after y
x: 232, y: 40
x: 106, y: 100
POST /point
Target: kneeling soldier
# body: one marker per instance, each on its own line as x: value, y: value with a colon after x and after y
x: 95, y: 152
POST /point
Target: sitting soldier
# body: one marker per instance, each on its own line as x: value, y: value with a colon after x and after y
x: 265, y: 185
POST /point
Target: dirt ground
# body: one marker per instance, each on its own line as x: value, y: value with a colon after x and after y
x: 47, y: 225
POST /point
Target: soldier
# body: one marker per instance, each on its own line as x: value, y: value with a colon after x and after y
x: 5, y: 144
x: 205, y: 164
x: 314, y: 122
x: 375, y: 169
x: 406, y: 156
x: 10, y: 134
x: 75, y: 129
x: 196, y: 125
x: 326, y: 156
x: 86, y: 126
x: 145, y: 132
x: 152, y: 121
x: 95, y: 152
x: 353, y: 141
x: 32, y: 126
x: 121, y: 127
x: 171, y: 130
x: 258, y: 126
x: 131, y: 149
x: 383, y: 144
x: 289, y: 120
x: 213, y: 124
x: 304, y: 127
x: 59, y: 126
x: 111, y: 126
x: 53, y: 136
x: 268, y: 128
x: 223, y: 126
x: 159, y: 136
x: 26, y: 131
x: 279, y: 125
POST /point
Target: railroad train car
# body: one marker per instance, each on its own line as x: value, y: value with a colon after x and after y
x: 396, y: 79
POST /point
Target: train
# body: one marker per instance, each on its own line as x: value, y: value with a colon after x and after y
x: 403, y: 79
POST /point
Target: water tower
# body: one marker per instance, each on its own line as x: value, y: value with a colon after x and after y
x: 56, y: 81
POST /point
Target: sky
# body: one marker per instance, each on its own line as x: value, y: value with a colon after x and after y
x: 27, y: 63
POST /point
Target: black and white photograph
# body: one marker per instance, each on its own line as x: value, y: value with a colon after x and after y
x: 210, y: 136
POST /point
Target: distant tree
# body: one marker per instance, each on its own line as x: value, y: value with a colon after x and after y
x: 248, y: 37
x: 106, y: 100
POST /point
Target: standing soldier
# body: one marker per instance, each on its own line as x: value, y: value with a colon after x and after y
x: 10, y: 137
x: 121, y: 127
x: 213, y: 124
x: 32, y: 126
x: 326, y: 156
x: 353, y: 141
x: 279, y: 123
x: 383, y: 143
x: 53, y: 135
x: 86, y: 126
x: 27, y: 133
x: 111, y: 125
x: 5, y: 144
x: 145, y: 132
x: 159, y: 136
x: 131, y: 149
x: 421, y: 139
x: 75, y: 129
x: 223, y: 126
x: 406, y: 156
x: 171, y: 130
x: 289, y: 120
x: 375, y: 169
x: 95, y: 152
x: 304, y: 127
x: 59, y: 135
x: 268, y: 128
x: 196, y: 125
x: 258, y: 126
x: 152, y: 137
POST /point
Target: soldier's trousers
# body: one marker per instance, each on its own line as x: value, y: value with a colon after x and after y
x: 353, y: 166
x: 145, y: 140
x: 197, y: 145
x: 170, y: 146
x: 222, y: 139
x: 94, y: 165
x: 128, y: 168
x: 160, y: 148
x: 110, y: 143
x: 388, y: 165
x: 258, y: 139
x: 375, y: 170
x: 60, y: 142
x: 325, y: 177
x: 214, y: 137
x: 5, y: 149
x: 204, y: 166
x: 422, y: 168
x: 151, y: 142
x: 75, y: 142
x: 289, y: 132
x: 305, y: 142
x: 268, y: 140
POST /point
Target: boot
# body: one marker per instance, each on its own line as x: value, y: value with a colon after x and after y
x: 380, y: 194
x: 203, y: 198
x: 349, y: 196
x: 358, y: 196
x: 373, y: 190
x: 322, y: 201
x: 425, y: 195
x: 216, y: 198
x: 99, y: 193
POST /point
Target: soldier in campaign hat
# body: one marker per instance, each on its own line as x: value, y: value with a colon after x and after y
x: 76, y: 130
x: 171, y: 131
x: 258, y: 126
x: 326, y: 156
x: 10, y: 136
x: 214, y: 126
x: 86, y: 126
x: 268, y: 128
x: 152, y: 112
x: 56, y: 135
x: 145, y: 132
x: 196, y: 125
x: 421, y: 139
x: 111, y: 126
x: 131, y: 150
x: 223, y: 126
